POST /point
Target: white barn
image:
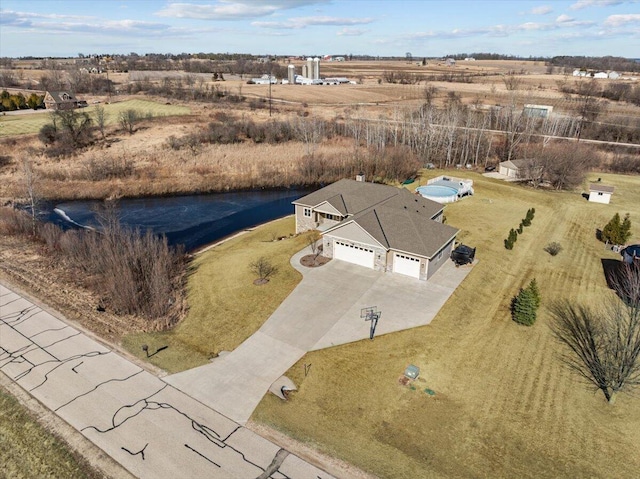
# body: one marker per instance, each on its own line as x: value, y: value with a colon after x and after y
x: 599, y: 193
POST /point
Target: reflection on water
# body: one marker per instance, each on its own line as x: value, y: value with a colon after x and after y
x: 193, y: 221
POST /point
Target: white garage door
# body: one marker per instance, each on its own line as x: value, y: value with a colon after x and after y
x: 353, y: 254
x: 408, y: 265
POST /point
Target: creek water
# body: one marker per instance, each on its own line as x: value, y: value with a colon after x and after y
x: 192, y: 220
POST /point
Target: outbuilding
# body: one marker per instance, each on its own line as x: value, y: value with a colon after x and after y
x: 599, y: 193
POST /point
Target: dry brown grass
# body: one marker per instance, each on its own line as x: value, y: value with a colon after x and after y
x: 504, y: 404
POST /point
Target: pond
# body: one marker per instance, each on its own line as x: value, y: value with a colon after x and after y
x: 193, y: 220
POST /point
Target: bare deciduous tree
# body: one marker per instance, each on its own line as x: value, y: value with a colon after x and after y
x: 30, y: 184
x: 101, y: 117
x: 263, y: 268
x: 128, y: 120
x: 511, y: 81
x: 312, y: 241
x: 603, y: 346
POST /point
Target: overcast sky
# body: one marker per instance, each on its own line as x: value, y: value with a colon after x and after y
x: 318, y: 27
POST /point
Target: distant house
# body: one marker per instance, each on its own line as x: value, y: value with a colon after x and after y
x: 614, y: 75
x: 378, y: 227
x: 599, y: 193
x: 580, y: 73
x: 600, y: 75
x: 60, y: 100
x: 450, y: 62
x: 538, y: 111
x: 514, y: 169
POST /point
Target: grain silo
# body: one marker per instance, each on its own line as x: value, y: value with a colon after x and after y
x: 291, y: 74
x: 309, y: 68
x: 316, y: 68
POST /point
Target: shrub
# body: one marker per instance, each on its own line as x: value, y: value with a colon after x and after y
x: 553, y: 248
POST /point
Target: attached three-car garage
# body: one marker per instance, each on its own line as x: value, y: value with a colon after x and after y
x: 353, y: 254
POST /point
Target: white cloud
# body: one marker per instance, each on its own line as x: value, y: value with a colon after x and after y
x: 564, y: 19
x: 617, y: 20
x: 78, y: 24
x: 351, y: 32
x: 541, y: 10
x: 580, y: 4
x: 231, y: 9
x: 303, y: 22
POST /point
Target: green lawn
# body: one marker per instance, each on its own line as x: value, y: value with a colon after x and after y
x: 27, y: 450
x: 504, y: 405
x: 12, y: 125
x: 225, y: 307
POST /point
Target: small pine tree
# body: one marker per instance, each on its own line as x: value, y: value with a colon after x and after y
x: 513, y: 235
x: 535, y: 292
x: 625, y: 229
x: 524, y: 308
x: 508, y: 244
x: 526, y: 222
x: 520, y: 228
x: 612, y: 232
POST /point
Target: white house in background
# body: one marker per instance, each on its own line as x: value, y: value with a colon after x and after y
x: 599, y: 193
x: 579, y: 73
x: 378, y: 227
x: 600, y: 75
x: 614, y: 75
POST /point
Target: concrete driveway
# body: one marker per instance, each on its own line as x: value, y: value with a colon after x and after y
x: 323, y: 311
x: 152, y: 429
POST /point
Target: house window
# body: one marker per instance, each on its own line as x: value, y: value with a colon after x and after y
x: 599, y: 193
x: 329, y: 216
x: 307, y: 212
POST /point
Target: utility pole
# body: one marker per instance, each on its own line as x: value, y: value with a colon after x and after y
x: 270, y: 69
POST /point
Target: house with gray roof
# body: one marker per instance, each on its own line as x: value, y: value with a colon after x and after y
x: 60, y: 100
x: 378, y: 226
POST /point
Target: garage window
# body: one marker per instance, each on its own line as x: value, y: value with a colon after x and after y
x: 307, y: 212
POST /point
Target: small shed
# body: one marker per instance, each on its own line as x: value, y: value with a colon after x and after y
x: 599, y: 193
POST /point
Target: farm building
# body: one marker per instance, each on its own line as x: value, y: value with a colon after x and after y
x: 599, y: 193
x: 378, y: 226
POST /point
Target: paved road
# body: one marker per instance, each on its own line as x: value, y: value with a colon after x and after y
x: 323, y: 311
x: 151, y: 428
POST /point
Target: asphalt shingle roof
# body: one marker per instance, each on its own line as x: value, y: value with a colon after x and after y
x: 395, y: 217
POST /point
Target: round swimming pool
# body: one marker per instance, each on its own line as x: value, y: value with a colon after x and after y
x: 439, y: 193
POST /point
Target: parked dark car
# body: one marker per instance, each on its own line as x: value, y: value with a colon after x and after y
x: 490, y: 168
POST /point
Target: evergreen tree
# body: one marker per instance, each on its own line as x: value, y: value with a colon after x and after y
x: 625, y: 229
x: 611, y: 233
x: 535, y: 292
x: 524, y: 308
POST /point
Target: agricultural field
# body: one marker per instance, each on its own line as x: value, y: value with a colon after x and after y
x: 504, y: 405
x: 29, y: 122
